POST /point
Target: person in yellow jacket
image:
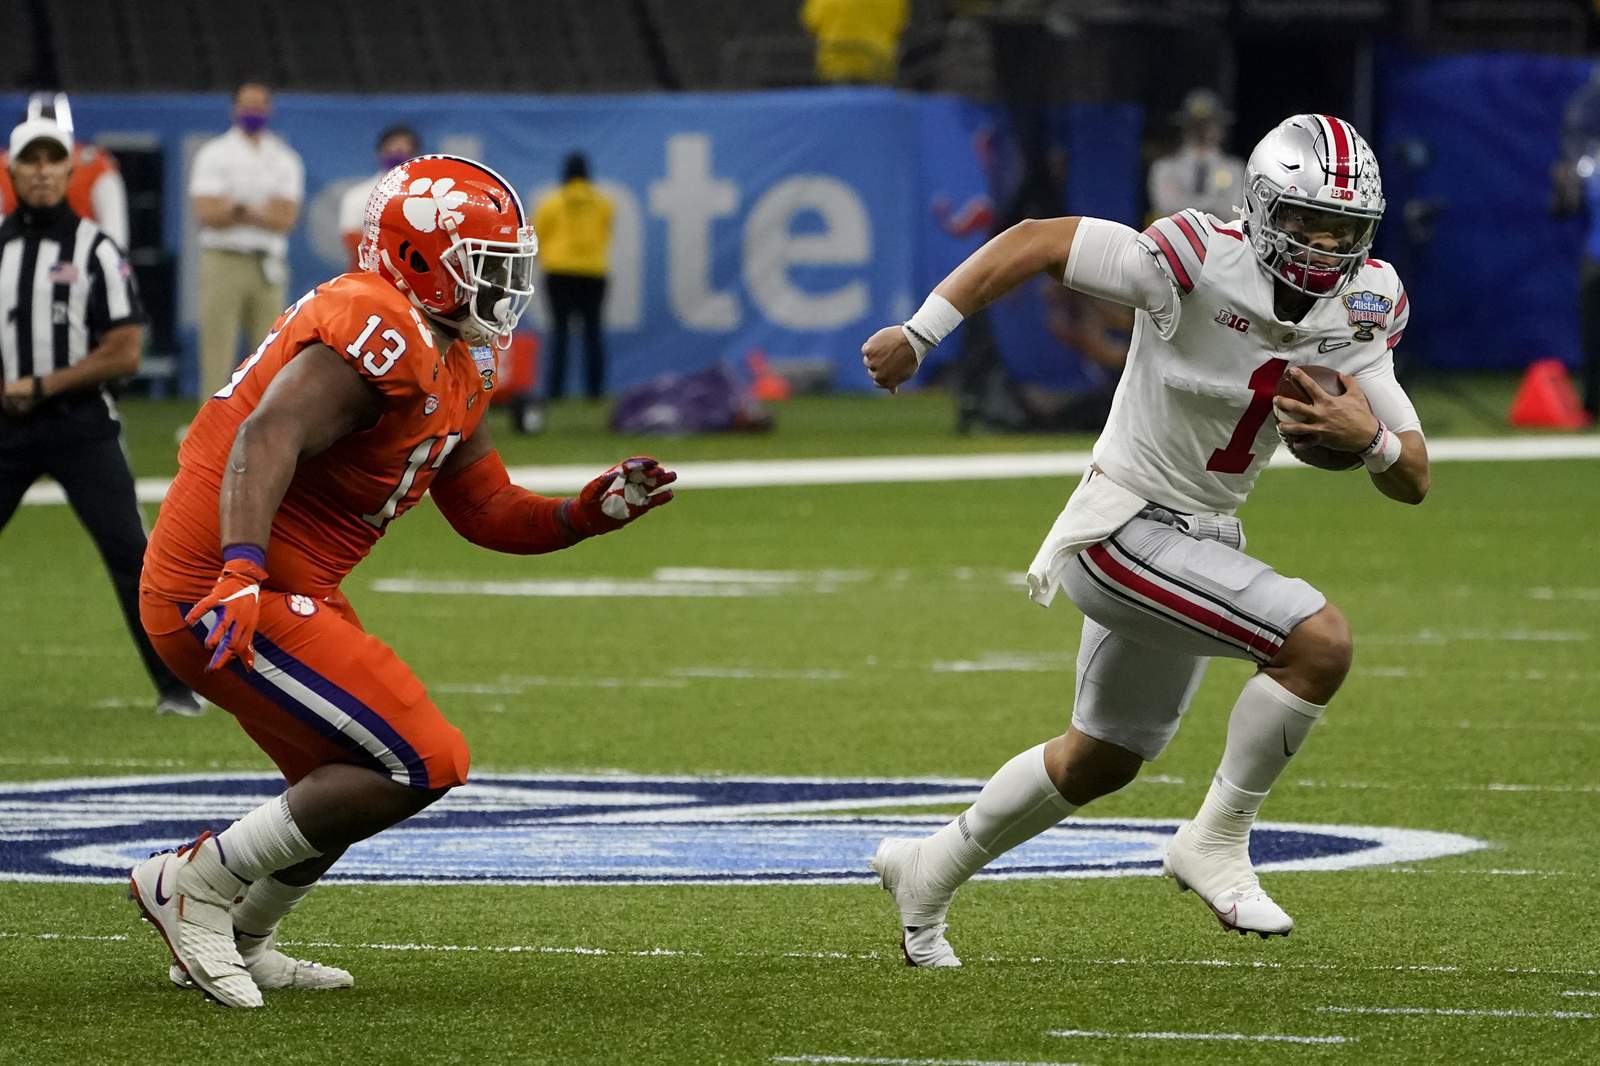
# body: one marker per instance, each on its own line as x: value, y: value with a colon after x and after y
x: 574, y: 228
x: 857, y: 40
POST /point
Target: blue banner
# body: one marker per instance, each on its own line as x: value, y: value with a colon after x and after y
x: 793, y: 223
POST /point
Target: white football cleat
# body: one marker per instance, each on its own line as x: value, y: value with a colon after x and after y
x: 1223, y: 877
x: 272, y: 970
x: 922, y: 909
x: 186, y: 895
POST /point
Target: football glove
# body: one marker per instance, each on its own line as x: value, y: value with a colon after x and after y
x: 618, y: 496
x: 237, y: 594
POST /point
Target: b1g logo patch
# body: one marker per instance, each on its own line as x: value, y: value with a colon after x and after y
x: 483, y: 356
x: 555, y: 829
x: 1368, y: 310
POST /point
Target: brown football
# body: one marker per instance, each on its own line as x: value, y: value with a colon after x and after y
x: 1315, y: 454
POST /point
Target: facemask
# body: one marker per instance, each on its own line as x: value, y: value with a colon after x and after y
x: 252, y: 121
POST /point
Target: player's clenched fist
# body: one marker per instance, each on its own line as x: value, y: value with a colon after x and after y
x: 237, y: 594
x: 889, y: 358
x: 620, y: 495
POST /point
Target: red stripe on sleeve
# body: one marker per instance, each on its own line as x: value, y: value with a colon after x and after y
x: 1394, y: 339
x: 1195, y: 242
x: 1180, y: 275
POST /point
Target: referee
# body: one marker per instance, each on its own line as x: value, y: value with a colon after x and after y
x: 71, y: 321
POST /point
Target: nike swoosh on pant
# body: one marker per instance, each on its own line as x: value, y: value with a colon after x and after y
x: 1286, y: 748
x: 161, y: 900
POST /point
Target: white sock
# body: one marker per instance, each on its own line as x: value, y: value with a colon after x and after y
x: 266, y: 904
x: 1018, y: 803
x: 1227, y: 814
x: 264, y: 841
x: 1267, y: 726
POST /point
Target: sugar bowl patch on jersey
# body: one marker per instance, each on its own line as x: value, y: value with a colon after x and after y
x: 1368, y: 311
x: 483, y: 358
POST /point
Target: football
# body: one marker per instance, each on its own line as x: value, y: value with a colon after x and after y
x: 1315, y: 454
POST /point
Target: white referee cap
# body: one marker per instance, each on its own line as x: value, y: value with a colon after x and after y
x: 39, y: 129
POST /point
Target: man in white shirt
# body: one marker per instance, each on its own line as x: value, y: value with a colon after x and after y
x: 246, y: 186
x: 1148, y: 547
x: 396, y: 144
x: 1199, y: 174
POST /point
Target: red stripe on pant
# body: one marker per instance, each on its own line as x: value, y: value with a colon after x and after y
x: 1189, y: 609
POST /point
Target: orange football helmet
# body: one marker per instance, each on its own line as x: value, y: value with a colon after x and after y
x: 451, y: 234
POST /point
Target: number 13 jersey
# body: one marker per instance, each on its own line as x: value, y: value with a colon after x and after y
x: 340, y: 501
x: 1191, y: 425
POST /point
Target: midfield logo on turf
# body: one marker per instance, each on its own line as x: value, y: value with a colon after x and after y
x: 624, y: 829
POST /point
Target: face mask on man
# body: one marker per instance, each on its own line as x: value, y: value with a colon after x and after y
x: 252, y: 121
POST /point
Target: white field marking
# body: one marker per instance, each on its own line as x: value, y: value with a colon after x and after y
x: 1252, y: 1038
x: 867, y: 956
x: 1490, y: 873
x: 1582, y: 992
x: 1461, y: 1012
x: 1401, y: 786
x: 745, y: 673
x: 780, y: 473
x: 1010, y: 662
x: 1545, y: 593
x: 715, y: 575
x: 517, y: 686
x: 126, y: 763
x: 868, y: 1061
x: 1438, y: 639
x: 1533, y: 727
x: 61, y: 936
x: 588, y: 588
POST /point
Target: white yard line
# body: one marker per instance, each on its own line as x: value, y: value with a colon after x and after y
x: 1252, y: 1038
x: 874, y: 957
x: 1461, y: 1012
x: 1582, y: 992
x: 863, y: 1060
x: 776, y: 473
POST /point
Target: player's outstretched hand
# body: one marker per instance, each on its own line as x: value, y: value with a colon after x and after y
x: 889, y: 358
x: 237, y: 594
x: 620, y: 495
x: 1344, y: 422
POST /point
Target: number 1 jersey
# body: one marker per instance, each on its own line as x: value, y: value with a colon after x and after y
x: 339, y: 502
x: 1191, y: 425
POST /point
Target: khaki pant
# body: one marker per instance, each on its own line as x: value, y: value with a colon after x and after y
x: 235, y: 297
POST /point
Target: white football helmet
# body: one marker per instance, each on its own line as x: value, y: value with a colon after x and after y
x: 1312, y: 201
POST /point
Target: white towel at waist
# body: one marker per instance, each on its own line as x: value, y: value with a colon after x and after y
x: 1097, y: 508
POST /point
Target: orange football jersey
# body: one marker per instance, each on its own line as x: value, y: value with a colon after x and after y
x: 339, y: 502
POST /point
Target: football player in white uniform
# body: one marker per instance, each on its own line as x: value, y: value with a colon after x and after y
x: 1148, y: 547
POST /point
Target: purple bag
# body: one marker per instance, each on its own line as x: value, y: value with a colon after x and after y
x: 712, y: 400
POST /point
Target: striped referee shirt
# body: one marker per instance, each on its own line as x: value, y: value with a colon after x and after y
x: 63, y: 285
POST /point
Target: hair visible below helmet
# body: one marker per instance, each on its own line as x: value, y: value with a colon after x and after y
x: 451, y: 234
x: 1313, y: 176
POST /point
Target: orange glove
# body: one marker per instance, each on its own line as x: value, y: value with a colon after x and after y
x: 237, y: 596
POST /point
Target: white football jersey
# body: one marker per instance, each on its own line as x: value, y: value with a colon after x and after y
x: 1191, y: 425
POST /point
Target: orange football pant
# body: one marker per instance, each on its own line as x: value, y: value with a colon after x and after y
x: 323, y: 690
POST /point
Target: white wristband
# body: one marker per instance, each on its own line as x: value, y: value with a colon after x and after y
x: 1383, y: 452
x: 933, y: 322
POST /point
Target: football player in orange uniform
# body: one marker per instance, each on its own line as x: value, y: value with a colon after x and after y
x: 369, y: 391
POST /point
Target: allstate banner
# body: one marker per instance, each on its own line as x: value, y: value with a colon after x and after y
x: 784, y: 222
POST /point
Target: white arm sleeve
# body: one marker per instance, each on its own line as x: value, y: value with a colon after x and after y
x: 1389, y: 401
x: 1107, y: 260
